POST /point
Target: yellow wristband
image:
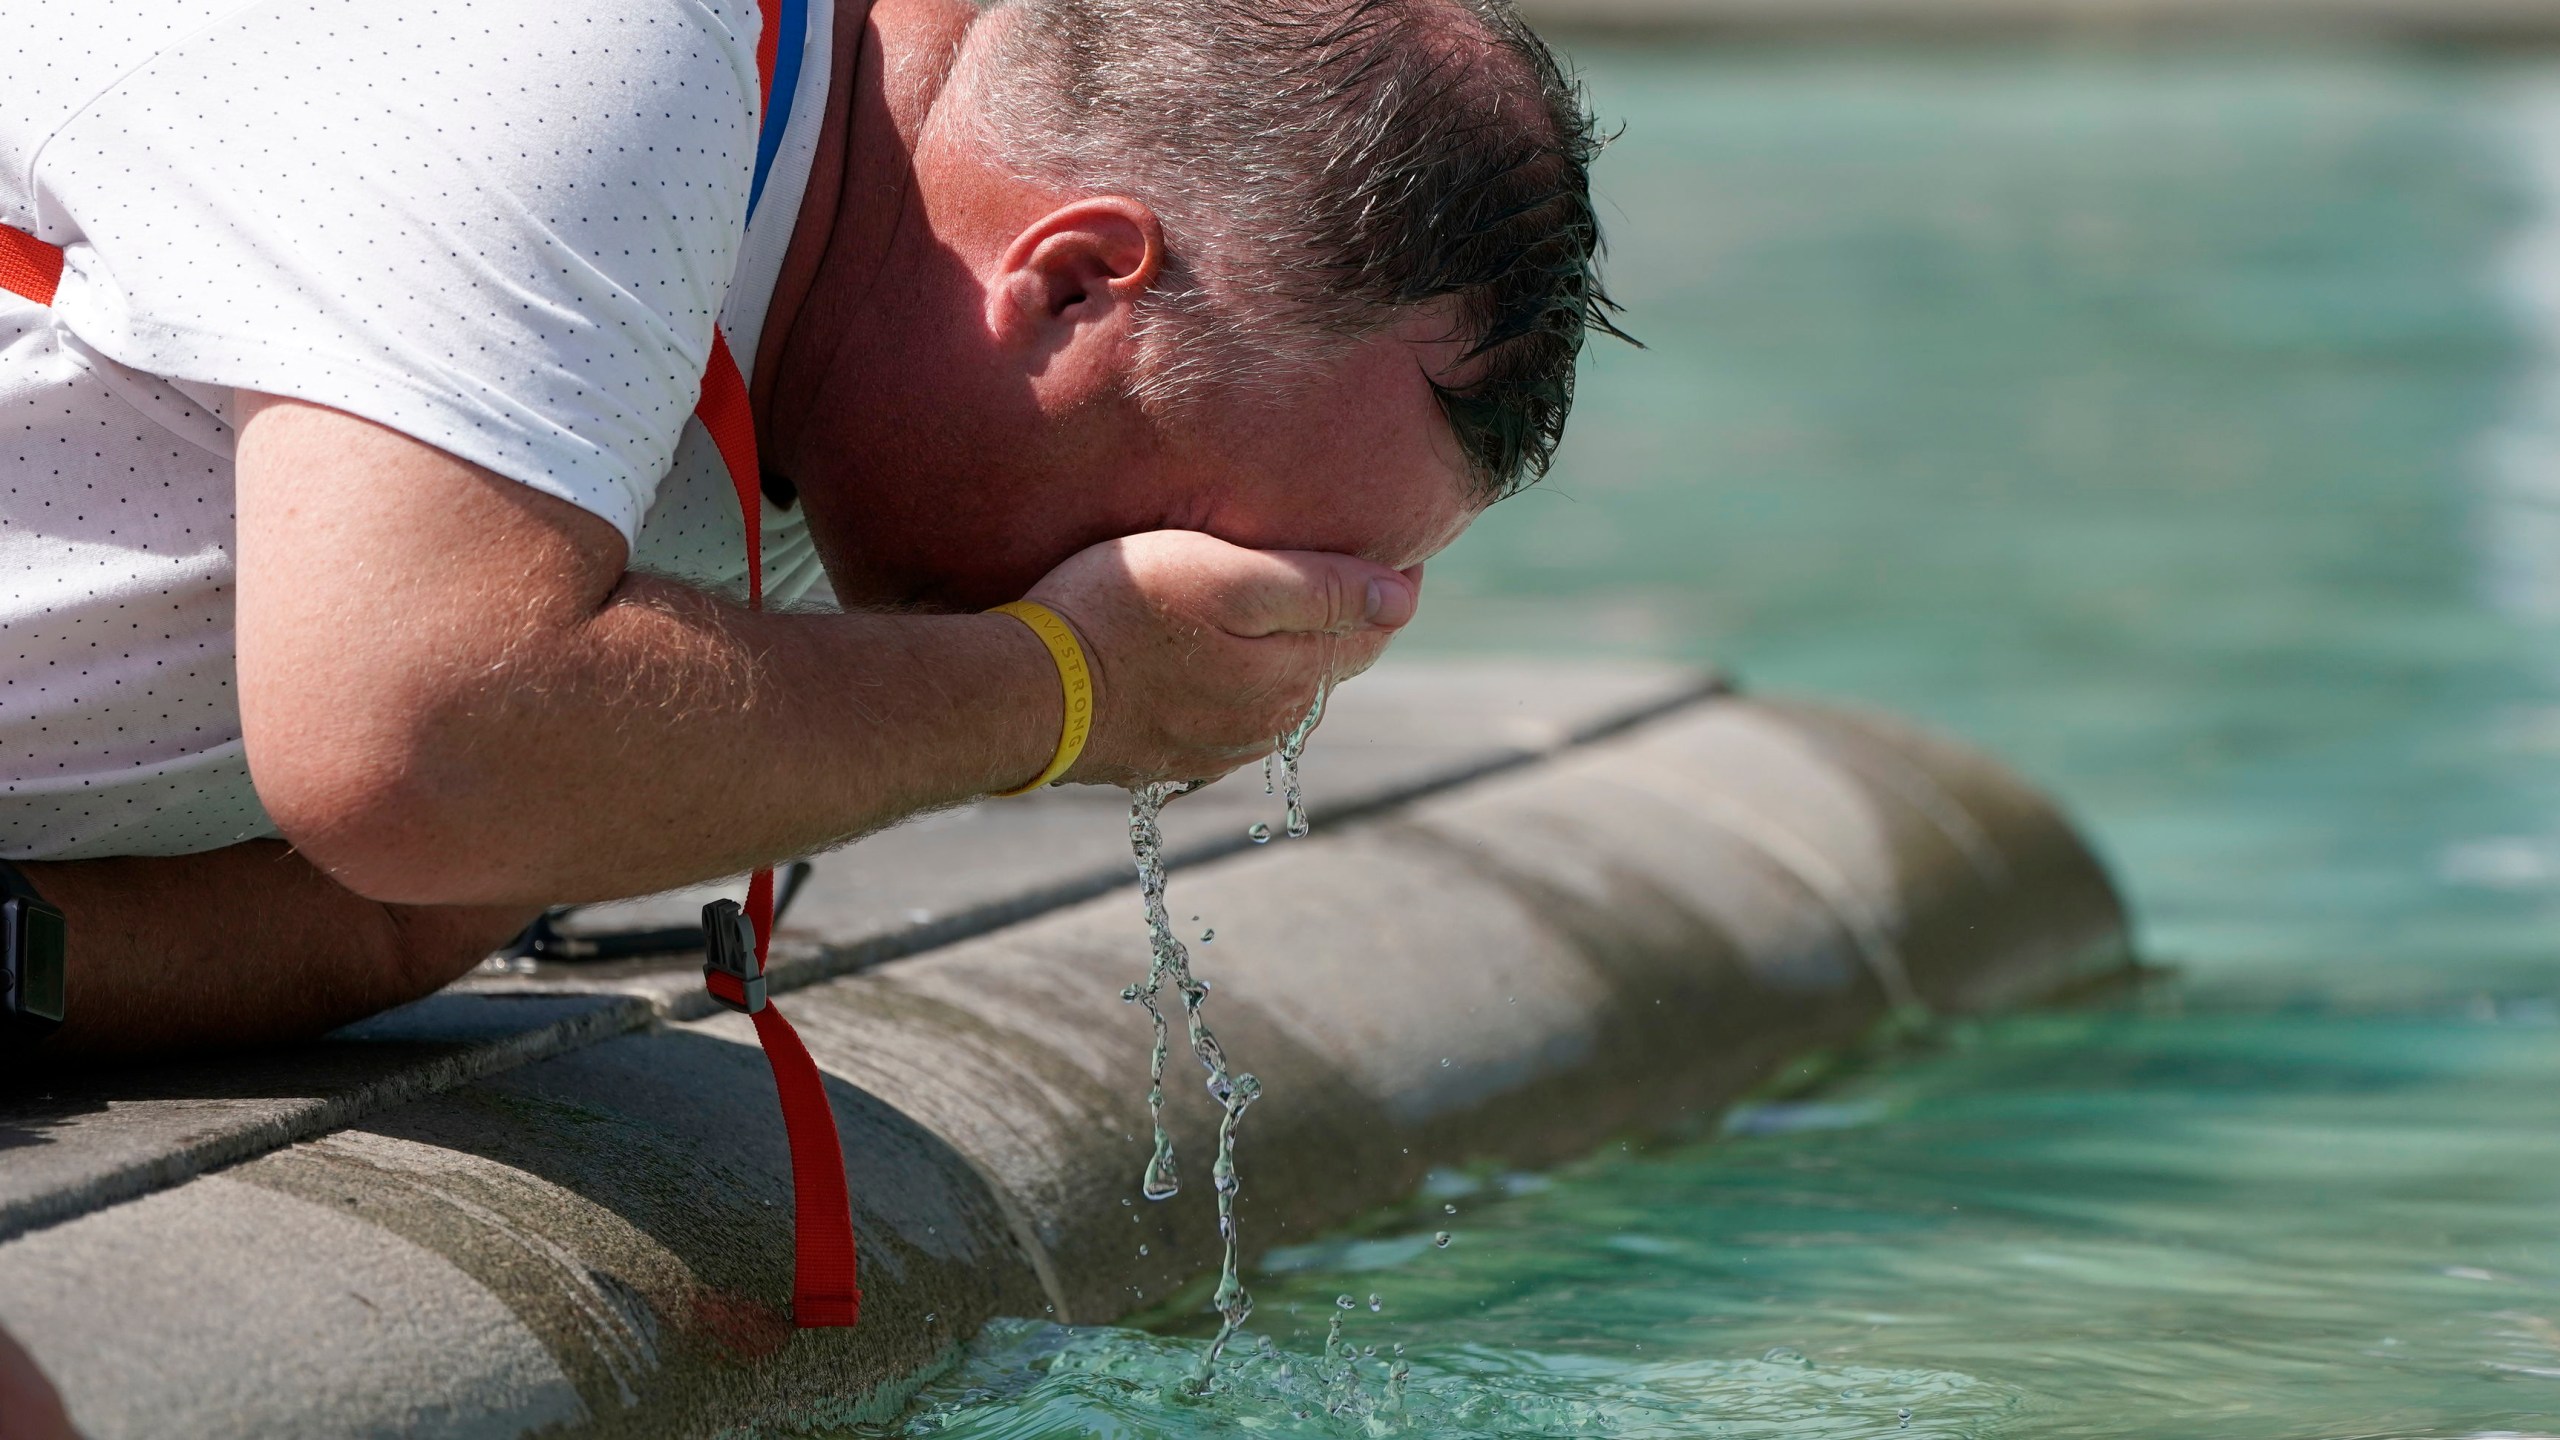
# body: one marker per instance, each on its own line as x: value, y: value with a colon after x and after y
x: 1075, y: 683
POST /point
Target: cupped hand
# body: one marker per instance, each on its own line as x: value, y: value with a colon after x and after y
x: 1205, y: 653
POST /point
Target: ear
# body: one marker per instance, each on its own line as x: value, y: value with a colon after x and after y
x: 1075, y: 273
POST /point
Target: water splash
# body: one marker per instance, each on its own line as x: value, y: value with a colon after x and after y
x: 1026, y: 1377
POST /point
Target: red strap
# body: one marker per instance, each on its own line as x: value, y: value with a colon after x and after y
x: 768, y: 53
x: 725, y: 413
x: 29, y: 266
x: 824, y: 1288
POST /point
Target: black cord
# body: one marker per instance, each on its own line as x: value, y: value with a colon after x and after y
x: 543, y: 940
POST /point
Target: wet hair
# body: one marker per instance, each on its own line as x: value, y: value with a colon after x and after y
x: 1325, y: 170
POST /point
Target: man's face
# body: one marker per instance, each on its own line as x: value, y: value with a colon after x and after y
x: 1358, y: 460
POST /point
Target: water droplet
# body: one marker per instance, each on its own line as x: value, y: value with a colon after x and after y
x: 1142, y: 1250
x: 1444, y: 1062
x: 1442, y: 1239
x: 1445, y: 1209
x: 1259, y: 832
x: 1906, y: 1419
x: 1376, y: 1304
x: 1345, y: 1302
x: 1208, y: 935
x: 1161, y: 1180
x: 1788, y: 1355
x: 1368, y: 1350
x: 930, y: 1317
x: 1129, y: 996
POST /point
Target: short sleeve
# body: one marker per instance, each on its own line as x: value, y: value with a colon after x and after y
x: 504, y: 229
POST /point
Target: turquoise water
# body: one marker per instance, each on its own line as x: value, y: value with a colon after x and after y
x: 2185, y: 427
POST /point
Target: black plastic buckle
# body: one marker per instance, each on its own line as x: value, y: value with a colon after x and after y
x: 729, y: 957
x: 33, y: 940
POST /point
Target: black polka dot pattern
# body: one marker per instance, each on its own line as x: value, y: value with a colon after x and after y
x: 506, y: 229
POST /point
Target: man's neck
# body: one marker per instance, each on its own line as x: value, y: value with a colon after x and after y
x: 891, y: 60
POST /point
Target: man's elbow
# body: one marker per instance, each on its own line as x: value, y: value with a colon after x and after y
x: 381, y: 811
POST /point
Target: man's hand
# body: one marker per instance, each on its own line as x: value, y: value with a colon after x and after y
x: 1206, y: 654
x: 453, y: 695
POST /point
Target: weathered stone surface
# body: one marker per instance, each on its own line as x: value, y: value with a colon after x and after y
x: 74, y: 1141
x: 206, y: 1309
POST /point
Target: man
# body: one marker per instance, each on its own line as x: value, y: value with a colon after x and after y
x: 363, y: 588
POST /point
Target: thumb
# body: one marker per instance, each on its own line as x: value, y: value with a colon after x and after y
x: 1308, y: 591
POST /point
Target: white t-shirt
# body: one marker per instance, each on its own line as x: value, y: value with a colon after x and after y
x: 503, y: 227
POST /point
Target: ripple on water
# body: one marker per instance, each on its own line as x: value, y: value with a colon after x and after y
x: 1031, y: 1378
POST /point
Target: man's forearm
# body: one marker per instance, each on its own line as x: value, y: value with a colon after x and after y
x: 239, y: 946
x: 674, y: 738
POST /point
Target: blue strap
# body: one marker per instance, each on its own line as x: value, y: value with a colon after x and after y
x: 786, y: 82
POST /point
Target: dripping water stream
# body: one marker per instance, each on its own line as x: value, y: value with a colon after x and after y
x: 1169, y: 963
x: 1284, y: 758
